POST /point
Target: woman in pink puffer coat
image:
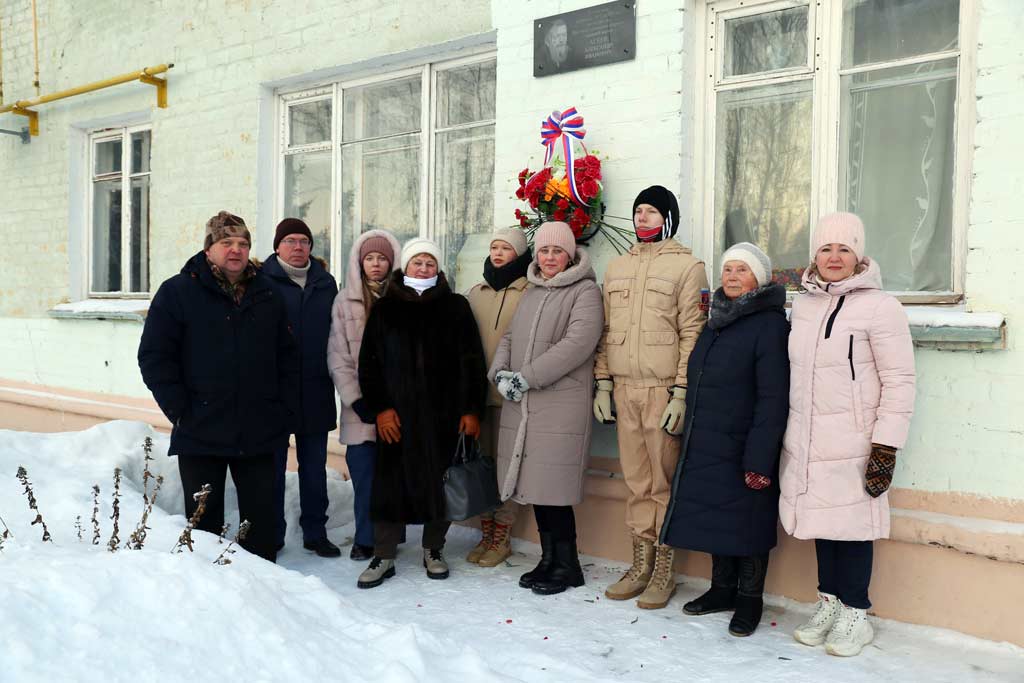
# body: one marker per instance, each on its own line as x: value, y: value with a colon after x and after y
x: 851, y: 399
x: 370, y: 264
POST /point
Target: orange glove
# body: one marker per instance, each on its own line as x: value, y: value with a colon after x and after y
x: 470, y: 425
x: 389, y: 427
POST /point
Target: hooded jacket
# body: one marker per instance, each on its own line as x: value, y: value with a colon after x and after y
x: 851, y: 384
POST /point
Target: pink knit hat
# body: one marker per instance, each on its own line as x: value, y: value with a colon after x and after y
x: 839, y: 228
x: 555, y: 234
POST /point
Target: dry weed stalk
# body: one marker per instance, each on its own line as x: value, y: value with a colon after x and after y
x: 185, y: 540
x: 116, y: 515
x: 23, y: 478
x: 95, y: 514
x: 6, y: 533
x: 223, y: 532
x: 78, y: 526
x: 243, y: 530
x: 138, y: 537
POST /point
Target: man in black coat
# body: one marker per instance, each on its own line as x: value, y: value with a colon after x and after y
x: 217, y: 353
x: 308, y: 291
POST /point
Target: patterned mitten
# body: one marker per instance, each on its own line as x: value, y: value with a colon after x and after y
x: 756, y: 481
x: 881, y: 465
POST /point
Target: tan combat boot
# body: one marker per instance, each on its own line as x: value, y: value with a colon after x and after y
x: 487, y: 527
x: 501, y: 546
x: 636, y: 578
x: 663, y: 580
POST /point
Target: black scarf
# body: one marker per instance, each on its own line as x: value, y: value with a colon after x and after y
x: 725, y: 311
x: 500, y: 278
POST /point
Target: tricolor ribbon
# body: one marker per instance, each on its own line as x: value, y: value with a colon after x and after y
x: 564, y: 125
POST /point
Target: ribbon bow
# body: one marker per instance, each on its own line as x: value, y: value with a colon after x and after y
x: 564, y: 125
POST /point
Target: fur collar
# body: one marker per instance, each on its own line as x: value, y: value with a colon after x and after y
x: 725, y: 311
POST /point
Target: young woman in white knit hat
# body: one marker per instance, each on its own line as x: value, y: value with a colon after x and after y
x: 851, y: 399
x: 494, y: 302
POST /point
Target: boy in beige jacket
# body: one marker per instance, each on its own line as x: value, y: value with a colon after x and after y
x: 656, y: 300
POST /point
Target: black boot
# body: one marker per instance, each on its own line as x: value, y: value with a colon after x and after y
x: 749, y: 603
x: 565, y: 570
x: 721, y: 597
x: 547, y: 556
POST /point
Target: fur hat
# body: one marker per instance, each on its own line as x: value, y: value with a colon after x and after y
x: 292, y: 226
x: 380, y: 245
x: 223, y: 225
x: 758, y: 262
x: 839, y: 228
x: 665, y: 202
x: 555, y: 234
x: 420, y: 245
x: 514, y: 236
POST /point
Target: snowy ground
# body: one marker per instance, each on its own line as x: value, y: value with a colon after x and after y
x: 74, y: 611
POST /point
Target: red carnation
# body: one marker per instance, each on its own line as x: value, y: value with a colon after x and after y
x: 589, y: 188
x: 558, y: 215
x: 524, y: 222
x: 519, y: 214
x: 521, y: 192
x: 523, y: 175
x: 563, y: 203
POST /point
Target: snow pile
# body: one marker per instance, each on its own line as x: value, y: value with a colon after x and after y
x: 76, y: 612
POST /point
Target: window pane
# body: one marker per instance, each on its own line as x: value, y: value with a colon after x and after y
x: 882, y: 30
x: 307, y: 195
x: 107, y: 157
x: 766, y: 42
x: 464, y: 200
x: 382, y: 109
x: 898, y: 134
x: 309, y: 122
x: 106, y: 236
x: 763, y: 175
x: 380, y: 188
x: 140, y: 151
x: 140, y: 235
x: 465, y: 94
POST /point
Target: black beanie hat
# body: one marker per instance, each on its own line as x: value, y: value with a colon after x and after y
x: 291, y: 226
x: 665, y: 202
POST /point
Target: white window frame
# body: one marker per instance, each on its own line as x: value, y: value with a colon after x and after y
x: 428, y: 72
x: 825, y: 73
x: 95, y: 137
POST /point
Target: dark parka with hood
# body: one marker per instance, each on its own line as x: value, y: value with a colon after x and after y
x: 224, y: 374
x: 309, y: 314
x: 736, y: 411
x: 422, y: 356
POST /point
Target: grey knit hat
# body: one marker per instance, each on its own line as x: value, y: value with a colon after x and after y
x: 758, y: 262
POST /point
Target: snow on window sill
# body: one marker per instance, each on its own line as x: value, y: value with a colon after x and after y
x: 133, y: 310
x: 956, y: 329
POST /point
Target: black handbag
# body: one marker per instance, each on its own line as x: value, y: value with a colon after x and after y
x: 470, y: 483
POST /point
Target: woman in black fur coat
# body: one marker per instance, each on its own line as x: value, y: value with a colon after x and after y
x: 422, y: 373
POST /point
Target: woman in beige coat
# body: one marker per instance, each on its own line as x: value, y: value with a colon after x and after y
x: 494, y: 302
x: 544, y: 369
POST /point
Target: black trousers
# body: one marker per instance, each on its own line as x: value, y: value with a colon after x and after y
x: 557, y: 520
x: 387, y: 536
x: 844, y: 570
x: 254, y: 479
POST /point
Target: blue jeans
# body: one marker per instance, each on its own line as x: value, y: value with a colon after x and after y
x: 360, y: 459
x: 311, y: 450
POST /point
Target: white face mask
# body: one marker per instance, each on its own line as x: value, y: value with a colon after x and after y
x: 420, y: 284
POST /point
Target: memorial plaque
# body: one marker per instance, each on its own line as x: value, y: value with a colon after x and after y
x: 593, y: 36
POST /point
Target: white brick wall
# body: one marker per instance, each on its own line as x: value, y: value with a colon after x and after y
x: 968, y: 433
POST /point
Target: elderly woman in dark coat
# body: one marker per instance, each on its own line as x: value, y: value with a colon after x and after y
x: 725, y: 492
x: 422, y: 373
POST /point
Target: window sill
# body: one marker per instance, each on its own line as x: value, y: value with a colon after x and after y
x: 132, y: 310
x: 955, y: 329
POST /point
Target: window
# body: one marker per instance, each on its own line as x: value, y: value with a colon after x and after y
x: 848, y: 105
x: 411, y: 152
x: 119, y: 212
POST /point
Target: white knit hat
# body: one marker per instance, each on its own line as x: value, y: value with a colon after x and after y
x: 514, y: 236
x: 839, y: 228
x: 758, y: 262
x: 420, y: 245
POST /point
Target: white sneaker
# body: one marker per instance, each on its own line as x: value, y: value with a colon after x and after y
x: 852, y: 631
x: 825, y: 612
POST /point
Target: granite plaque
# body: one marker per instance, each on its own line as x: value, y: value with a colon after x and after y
x: 593, y: 36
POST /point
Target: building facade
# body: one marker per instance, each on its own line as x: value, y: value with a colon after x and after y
x: 418, y: 117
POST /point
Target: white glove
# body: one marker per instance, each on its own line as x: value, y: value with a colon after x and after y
x: 603, y: 402
x: 675, y: 411
x: 513, y: 388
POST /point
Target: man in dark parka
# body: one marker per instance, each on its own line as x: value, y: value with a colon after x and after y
x: 308, y: 291
x: 221, y: 362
